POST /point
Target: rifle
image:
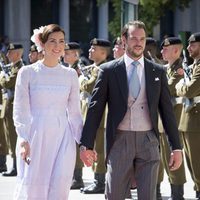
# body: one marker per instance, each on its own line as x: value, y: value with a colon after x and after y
x: 5, y: 68
x: 188, y: 102
x: 186, y: 69
x: 151, y: 57
x: 84, y: 70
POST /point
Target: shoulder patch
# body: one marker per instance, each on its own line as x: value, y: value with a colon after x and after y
x: 180, y: 71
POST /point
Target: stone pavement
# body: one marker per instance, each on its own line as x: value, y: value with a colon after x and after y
x: 7, y: 185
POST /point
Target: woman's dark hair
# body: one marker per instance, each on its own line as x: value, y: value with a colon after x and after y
x: 51, y: 28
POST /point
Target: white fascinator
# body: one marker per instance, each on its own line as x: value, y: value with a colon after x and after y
x: 35, y: 37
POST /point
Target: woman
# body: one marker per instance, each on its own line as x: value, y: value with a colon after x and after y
x: 48, y: 120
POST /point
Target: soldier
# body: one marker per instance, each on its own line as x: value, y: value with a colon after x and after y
x: 151, y: 50
x: 72, y: 58
x: 7, y: 81
x: 98, y: 52
x: 189, y: 122
x: 34, y: 54
x: 3, y: 142
x: 118, y: 50
x: 171, y: 52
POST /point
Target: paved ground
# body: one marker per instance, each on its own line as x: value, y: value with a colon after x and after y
x: 7, y: 186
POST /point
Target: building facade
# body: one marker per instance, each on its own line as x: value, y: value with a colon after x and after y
x: 82, y: 20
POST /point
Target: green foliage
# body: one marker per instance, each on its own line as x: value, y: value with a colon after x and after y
x: 115, y: 24
x: 149, y: 11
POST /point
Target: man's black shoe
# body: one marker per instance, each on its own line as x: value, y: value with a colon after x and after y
x: 198, y: 194
x: 3, y: 168
x: 158, y: 193
x: 77, y: 184
x: 94, y: 189
x: 13, y: 172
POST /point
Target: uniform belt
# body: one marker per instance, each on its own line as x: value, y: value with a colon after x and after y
x: 196, y: 99
x: 190, y: 103
x: 177, y: 100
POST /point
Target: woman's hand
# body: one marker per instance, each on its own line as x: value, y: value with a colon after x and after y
x: 25, y: 151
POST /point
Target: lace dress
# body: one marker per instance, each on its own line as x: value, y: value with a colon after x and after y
x: 47, y: 114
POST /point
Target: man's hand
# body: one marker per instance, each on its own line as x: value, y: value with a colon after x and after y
x: 25, y: 151
x: 175, y: 161
x: 88, y: 157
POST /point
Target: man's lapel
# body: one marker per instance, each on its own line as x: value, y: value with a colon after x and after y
x: 150, y: 79
x: 120, y: 71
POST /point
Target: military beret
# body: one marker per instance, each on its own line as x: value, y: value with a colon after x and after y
x: 117, y: 41
x: 72, y: 45
x: 171, y: 41
x: 100, y: 42
x: 150, y: 40
x: 195, y: 37
x: 33, y: 48
x: 12, y: 46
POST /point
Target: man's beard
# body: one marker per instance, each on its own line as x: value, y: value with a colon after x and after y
x: 134, y: 54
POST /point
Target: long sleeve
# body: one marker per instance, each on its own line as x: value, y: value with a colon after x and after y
x: 191, y: 89
x: 21, y: 107
x: 74, y: 110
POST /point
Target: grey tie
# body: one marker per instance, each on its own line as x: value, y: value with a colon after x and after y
x: 134, y: 84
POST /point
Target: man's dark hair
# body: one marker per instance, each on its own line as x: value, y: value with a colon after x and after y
x: 137, y: 24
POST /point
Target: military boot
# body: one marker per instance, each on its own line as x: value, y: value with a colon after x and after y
x: 77, y: 182
x: 158, y: 193
x: 177, y: 192
x: 3, y: 166
x: 198, y: 194
x: 13, y: 171
x: 98, y: 187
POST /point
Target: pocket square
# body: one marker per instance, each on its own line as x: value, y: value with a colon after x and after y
x: 157, y: 79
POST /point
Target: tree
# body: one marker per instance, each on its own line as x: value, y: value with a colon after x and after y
x: 154, y: 10
x: 149, y: 11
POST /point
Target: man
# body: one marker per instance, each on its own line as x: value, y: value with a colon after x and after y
x: 72, y: 58
x: 7, y: 82
x: 3, y: 143
x: 118, y: 50
x: 34, y: 55
x: 151, y: 50
x: 98, y: 53
x: 132, y: 132
x: 189, y: 122
x: 171, y: 52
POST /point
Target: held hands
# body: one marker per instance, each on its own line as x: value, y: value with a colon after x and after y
x: 88, y: 157
x: 175, y: 161
x: 25, y: 151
